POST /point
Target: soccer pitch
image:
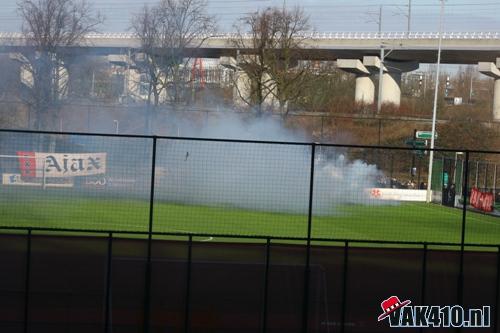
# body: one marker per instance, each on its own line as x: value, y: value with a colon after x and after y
x: 405, y: 222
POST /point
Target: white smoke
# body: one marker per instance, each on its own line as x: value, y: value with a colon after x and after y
x: 257, y: 176
x: 248, y: 175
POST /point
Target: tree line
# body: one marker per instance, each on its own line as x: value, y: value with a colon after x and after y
x: 272, y: 68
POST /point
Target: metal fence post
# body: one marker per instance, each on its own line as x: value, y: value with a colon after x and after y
x: 344, y: 287
x: 147, y: 287
x: 497, y: 290
x: 424, y: 274
x: 464, y: 219
x: 266, y: 286
x: 322, y: 138
x: 88, y: 120
x: 305, y: 306
x: 486, y: 177
x: 188, y: 284
x: 495, y: 185
x: 392, y: 168
x: 424, y: 277
x: 107, y: 310
x: 27, y: 282
x: 379, y: 131
x: 477, y: 174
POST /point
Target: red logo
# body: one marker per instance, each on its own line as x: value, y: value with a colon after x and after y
x: 390, y: 305
x: 27, y: 163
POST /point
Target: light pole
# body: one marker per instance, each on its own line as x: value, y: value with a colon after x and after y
x: 456, y: 162
x: 434, y: 111
x: 380, y: 78
x: 382, y: 68
x: 470, y: 90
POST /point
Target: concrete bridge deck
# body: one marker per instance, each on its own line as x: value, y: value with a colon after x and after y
x: 458, y: 48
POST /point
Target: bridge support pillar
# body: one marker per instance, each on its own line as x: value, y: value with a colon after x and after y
x: 365, y: 71
x: 242, y: 87
x: 241, y: 81
x: 391, y: 79
x: 496, y: 100
x: 365, y: 87
x: 365, y: 90
x: 391, y: 88
x: 492, y: 70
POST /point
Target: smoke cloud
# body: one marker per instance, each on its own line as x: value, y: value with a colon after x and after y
x: 257, y: 176
x: 246, y: 175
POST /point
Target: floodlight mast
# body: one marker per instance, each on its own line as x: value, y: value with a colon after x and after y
x: 434, y: 111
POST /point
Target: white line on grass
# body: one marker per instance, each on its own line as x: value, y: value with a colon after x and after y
x: 459, y: 214
x: 210, y: 238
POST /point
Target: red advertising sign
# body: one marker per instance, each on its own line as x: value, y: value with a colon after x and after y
x: 58, y: 165
x: 27, y: 163
x: 481, y: 200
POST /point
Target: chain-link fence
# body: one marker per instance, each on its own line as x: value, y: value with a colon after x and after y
x: 138, y: 233
x: 243, y: 188
x: 169, y: 120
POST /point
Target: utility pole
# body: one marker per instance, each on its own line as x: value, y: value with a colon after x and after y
x: 470, y: 90
x: 374, y: 17
x: 380, y: 21
x: 380, y: 78
x: 409, y: 19
x: 425, y: 84
x: 434, y: 111
x: 382, y: 58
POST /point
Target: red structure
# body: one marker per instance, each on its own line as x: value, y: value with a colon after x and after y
x: 198, y: 73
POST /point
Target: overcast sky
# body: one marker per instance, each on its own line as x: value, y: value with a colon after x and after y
x: 325, y: 15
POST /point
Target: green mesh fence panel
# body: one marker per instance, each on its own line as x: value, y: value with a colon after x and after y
x: 459, y: 177
x: 437, y: 174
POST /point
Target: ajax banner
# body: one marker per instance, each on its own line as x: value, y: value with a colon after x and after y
x: 56, y: 165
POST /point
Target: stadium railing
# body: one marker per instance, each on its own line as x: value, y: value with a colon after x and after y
x: 356, y: 204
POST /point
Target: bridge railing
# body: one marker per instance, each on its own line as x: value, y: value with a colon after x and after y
x: 311, y: 35
x: 385, y: 35
x: 402, y: 35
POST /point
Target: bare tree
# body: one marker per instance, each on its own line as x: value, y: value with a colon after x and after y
x: 276, y: 63
x: 50, y: 26
x: 146, y: 25
x: 185, y: 24
x: 289, y: 66
x: 328, y: 89
x: 255, y: 32
x: 170, y: 32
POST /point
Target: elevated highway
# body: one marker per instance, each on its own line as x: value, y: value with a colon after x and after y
x: 354, y: 52
x: 458, y: 48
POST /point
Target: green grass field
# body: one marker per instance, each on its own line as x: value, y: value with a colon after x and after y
x: 400, y: 222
